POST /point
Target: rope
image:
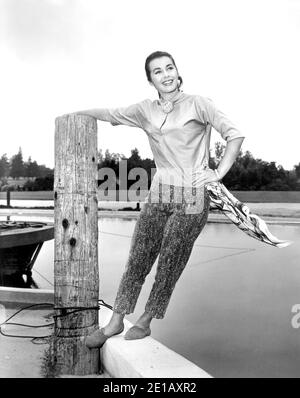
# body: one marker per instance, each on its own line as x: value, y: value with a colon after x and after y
x: 35, y: 339
x: 33, y: 326
x: 42, y: 276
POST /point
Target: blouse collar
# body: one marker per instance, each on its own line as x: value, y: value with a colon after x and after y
x: 177, y: 98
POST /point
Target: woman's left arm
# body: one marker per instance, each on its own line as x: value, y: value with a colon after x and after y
x: 229, y: 132
x: 231, y: 153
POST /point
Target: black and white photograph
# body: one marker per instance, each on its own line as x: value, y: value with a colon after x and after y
x: 149, y: 192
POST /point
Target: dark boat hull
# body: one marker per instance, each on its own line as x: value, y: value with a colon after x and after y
x: 20, y: 243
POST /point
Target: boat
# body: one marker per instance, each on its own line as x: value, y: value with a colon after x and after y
x: 20, y: 244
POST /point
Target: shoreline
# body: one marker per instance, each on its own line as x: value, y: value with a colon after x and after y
x: 243, y: 196
x: 280, y: 214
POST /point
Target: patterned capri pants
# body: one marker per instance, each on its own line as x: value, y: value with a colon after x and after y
x: 168, y: 225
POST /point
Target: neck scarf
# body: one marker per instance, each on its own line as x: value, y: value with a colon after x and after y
x: 168, y: 105
x: 241, y: 215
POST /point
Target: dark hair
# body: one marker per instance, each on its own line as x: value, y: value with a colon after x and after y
x: 159, y: 54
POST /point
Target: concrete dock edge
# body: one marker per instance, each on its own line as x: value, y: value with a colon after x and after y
x: 146, y: 358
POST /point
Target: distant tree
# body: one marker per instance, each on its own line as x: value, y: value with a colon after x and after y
x: 44, y: 183
x: 297, y: 170
x: 17, y: 165
x: 134, y: 160
x: 219, y: 151
x: 110, y: 160
x: 4, y: 166
x: 148, y: 165
x: 40, y: 184
x: 31, y: 168
x: 100, y: 156
x: 43, y: 171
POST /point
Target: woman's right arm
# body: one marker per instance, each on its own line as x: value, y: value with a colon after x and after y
x: 133, y: 115
x: 97, y: 113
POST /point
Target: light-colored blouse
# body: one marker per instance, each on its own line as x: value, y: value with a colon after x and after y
x: 179, y: 140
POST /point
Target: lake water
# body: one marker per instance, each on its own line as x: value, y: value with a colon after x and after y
x: 231, y: 311
x: 28, y: 203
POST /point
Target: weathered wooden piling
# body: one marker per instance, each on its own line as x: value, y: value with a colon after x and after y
x: 8, y: 198
x: 76, y: 279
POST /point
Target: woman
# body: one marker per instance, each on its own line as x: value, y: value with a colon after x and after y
x: 178, y: 127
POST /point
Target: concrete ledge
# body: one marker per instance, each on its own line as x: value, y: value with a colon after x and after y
x: 30, y: 296
x: 145, y: 358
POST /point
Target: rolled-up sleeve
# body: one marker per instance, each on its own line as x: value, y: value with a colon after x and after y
x: 133, y: 115
x: 218, y: 120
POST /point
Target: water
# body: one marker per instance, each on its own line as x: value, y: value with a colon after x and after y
x: 28, y: 203
x: 230, y: 312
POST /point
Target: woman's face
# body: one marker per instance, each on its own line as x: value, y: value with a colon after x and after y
x: 164, y: 75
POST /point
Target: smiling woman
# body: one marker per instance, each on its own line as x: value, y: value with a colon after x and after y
x: 178, y: 127
x: 163, y: 75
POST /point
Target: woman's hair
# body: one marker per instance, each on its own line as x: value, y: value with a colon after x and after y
x: 159, y: 54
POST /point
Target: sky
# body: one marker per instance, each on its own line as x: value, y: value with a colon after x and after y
x: 61, y: 56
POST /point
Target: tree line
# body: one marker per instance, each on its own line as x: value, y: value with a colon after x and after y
x: 251, y: 174
x: 16, y: 167
x: 247, y: 173
x: 39, y: 177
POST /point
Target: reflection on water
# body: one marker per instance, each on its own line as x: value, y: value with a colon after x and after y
x: 230, y: 312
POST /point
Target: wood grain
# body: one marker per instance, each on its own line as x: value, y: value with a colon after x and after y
x: 76, y: 279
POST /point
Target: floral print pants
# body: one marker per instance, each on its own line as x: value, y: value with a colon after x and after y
x: 168, y: 225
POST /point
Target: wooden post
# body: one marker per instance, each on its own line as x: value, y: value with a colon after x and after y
x: 76, y: 279
x: 8, y: 198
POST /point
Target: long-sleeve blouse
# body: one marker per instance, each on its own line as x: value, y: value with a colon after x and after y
x: 179, y: 140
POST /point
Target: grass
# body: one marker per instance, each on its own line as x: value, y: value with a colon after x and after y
x: 28, y: 195
x: 268, y: 196
x: 50, y: 367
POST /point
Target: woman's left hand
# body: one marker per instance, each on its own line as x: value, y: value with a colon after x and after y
x: 206, y: 176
